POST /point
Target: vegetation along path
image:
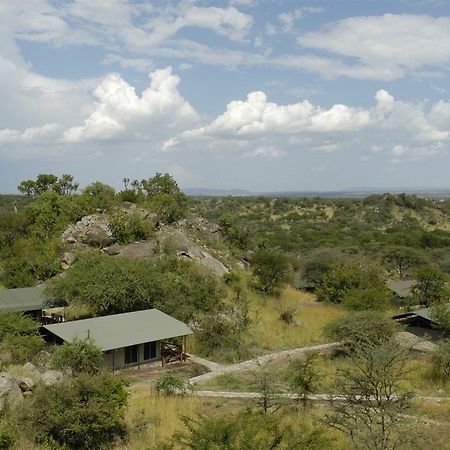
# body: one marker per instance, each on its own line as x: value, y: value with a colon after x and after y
x: 219, y: 369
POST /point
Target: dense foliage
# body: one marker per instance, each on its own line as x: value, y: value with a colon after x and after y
x: 85, y: 412
x: 117, y: 285
x: 19, y: 336
x: 79, y: 356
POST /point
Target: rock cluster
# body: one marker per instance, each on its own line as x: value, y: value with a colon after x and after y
x: 175, y: 241
x: 91, y: 230
x: 13, y: 386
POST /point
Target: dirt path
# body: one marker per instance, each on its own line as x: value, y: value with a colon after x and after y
x: 312, y: 397
x: 219, y: 369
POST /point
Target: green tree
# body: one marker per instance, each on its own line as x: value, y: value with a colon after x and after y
x: 236, y: 235
x: 118, y: 285
x: 369, y: 298
x: 100, y: 196
x: 65, y: 185
x: 80, y: 356
x: 19, y: 336
x: 338, y: 281
x: 304, y: 377
x: 351, y: 280
x: 430, y: 287
x: 27, y: 187
x: 129, y: 227
x: 272, y: 271
x: 374, y: 401
x: 85, y: 412
x: 160, y: 184
x: 165, y: 198
x: 361, y: 329
x: 28, y: 261
x: 401, y: 259
x: 441, y: 360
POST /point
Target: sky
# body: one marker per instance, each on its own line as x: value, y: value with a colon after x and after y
x: 264, y: 95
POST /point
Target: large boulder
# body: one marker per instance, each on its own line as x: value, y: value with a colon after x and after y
x: 174, y: 241
x: 138, y: 250
x: 9, y: 391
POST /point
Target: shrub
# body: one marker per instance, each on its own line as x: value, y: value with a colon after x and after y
x: 7, y: 436
x: 171, y: 384
x: 361, y: 329
x: 19, y: 336
x: 78, y: 356
x: 82, y: 413
x: 441, y: 360
x: 129, y: 227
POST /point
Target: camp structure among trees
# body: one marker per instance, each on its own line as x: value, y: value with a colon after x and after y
x: 422, y: 322
x: 126, y: 339
x: 28, y: 300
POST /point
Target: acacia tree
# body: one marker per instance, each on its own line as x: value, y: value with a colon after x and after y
x: 400, y: 259
x: 430, y: 286
x: 371, y: 411
x: 271, y: 270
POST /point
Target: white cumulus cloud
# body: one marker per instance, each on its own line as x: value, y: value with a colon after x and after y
x: 119, y: 109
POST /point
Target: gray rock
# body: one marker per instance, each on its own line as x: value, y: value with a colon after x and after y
x: 78, y: 246
x: 92, y: 230
x: 139, y: 250
x: 30, y: 367
x: 51, y: 377
x: 176, y: 242
x: 9, y: 391
x: 113, y: 250
x: 128, y: 206
x: 67, y: 260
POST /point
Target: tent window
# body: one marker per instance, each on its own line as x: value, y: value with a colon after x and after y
x: 149, y: 350
x: 131, y: 354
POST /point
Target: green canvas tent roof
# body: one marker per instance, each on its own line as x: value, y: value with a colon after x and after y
x: 22, y: 299
x: 401, y: 287
x: 425, y: 312
x: 122, y: 330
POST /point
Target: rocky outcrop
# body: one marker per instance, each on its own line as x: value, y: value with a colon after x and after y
x: 9, y: 390
x: 174, y: 241
x: 203, y: 226
x: 136, y: 250
x: 91, y: 230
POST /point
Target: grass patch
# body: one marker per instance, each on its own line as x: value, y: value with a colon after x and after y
x: 267, y: 332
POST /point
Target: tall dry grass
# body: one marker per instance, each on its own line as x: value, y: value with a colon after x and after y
x: 267, y: 332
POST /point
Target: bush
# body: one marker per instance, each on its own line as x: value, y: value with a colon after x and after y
x: 361, y: 329
x: 78, y: 356
x: 171, y: 384
x: 441, y: 360
x: 82, y: 413
x: 249, y: 430
x: 7, y: 436
x: 19, y: 336
x: 129, y: 227
x: 363, y: 299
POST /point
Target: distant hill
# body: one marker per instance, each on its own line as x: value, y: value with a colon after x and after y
x: 345, y: 193
x: 204, y: 192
